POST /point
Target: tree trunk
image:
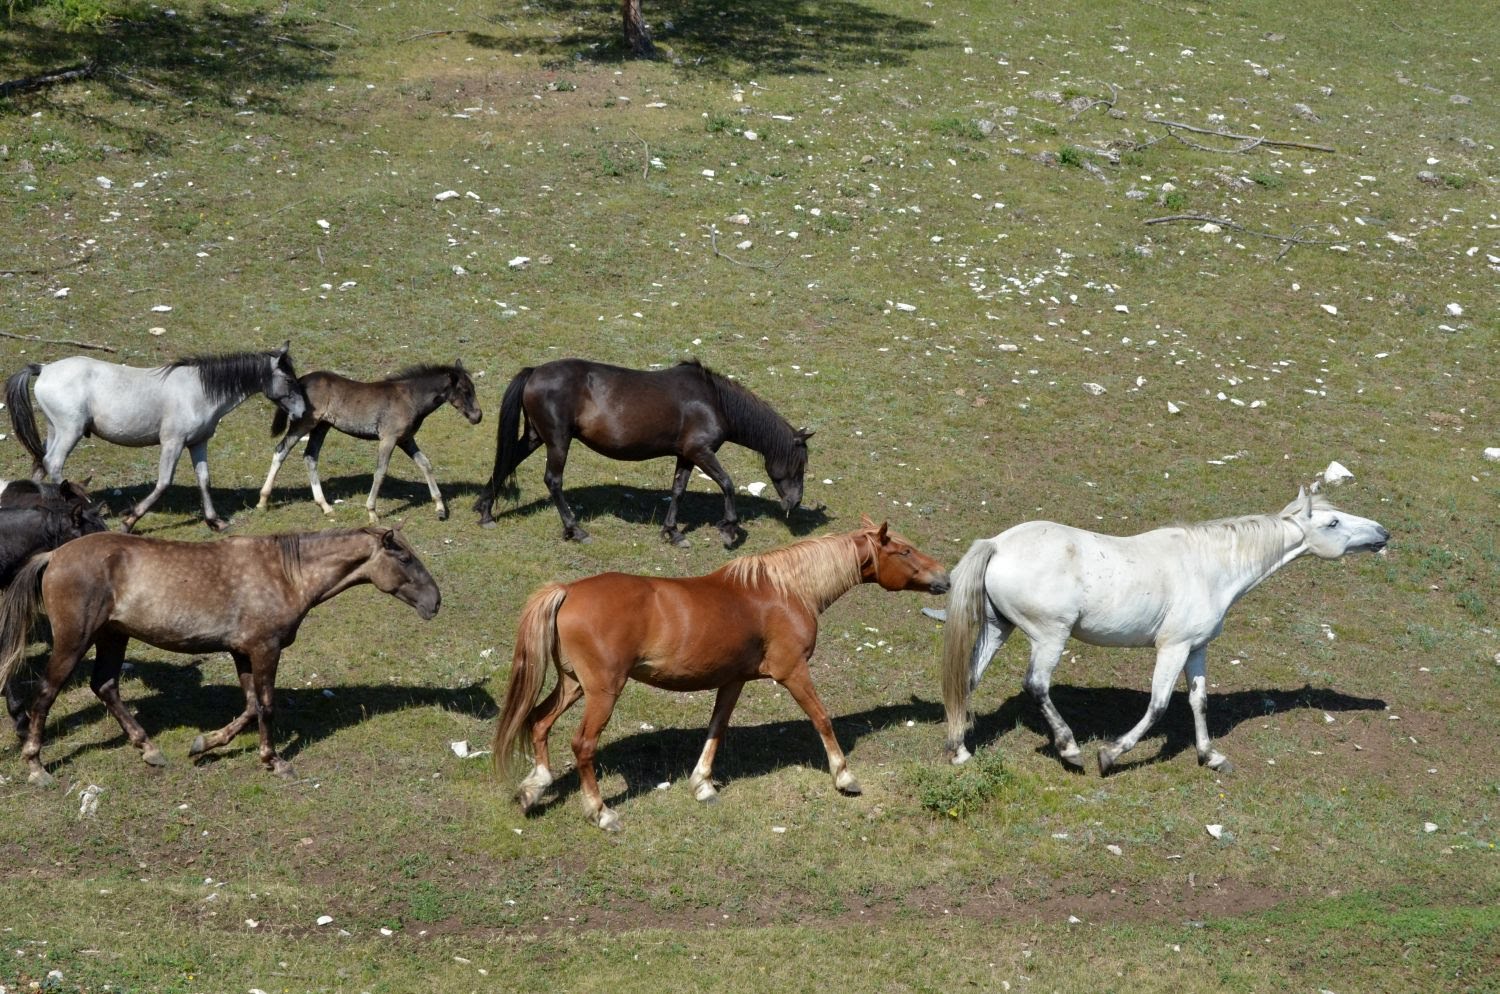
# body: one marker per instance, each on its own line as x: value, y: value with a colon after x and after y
x: 637, y: 38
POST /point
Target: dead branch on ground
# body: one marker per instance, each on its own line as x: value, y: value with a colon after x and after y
x: 1252, y: 141
x: 28, y: 83
x: 1222, y: 222
x: 1114, y: 95
x: 59, y: 341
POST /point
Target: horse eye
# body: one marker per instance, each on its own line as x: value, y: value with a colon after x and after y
x: 1333, y: 523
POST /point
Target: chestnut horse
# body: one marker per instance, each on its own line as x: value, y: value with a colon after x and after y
x: 244, y: 595
x: 389, y: 410
x: 753, y: 618
x: 687, y: 410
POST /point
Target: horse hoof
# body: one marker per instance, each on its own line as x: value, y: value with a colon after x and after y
x: 848, y: 785
x: 1107, y: 757
x: 442, y: 514
x: 959, y: 756
x: 198, y: 748
x: 281, y: 768
x: 676, y: 537
x: 127, y: 523
x: 152, y: 755
x: 216, y: 524
x: 41, y: 778
x: 1073, y: 760
x: 706, y: 792
x: 1218, y: 763
x: 486, y: 522
x: 609, y: 821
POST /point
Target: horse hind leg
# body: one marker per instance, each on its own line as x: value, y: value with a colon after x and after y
x: 109, y: 659
x: 541, y: 720
x: 993, y: 633
x: 1169, y: 662
x: 409, y: 446
x: 702, y: 782
x: 382, y: 463
x: 1045, y: 652
x: 597, y: 707
x: 213, y: 740
x: 67, y: 651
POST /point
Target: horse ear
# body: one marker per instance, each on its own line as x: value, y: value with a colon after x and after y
x: 883, y: 535
x: 803, y: 435
x: 866, y: 523
x: 286, y: 347
x: 458, y: 364
x: 1305, y: 499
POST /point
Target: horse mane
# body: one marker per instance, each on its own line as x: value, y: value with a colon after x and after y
x: 815, y: 571
x: 291, y: 544
x: 752, y: 422
x: 1253, y: 538
x: 228, y: 376
x: 421, y: 370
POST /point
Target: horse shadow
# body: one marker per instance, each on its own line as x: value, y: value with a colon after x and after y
x: 646, y: 758
x: 700, y: 36
x: 697, y: 511
x: 1106, y: 713
x: 176, y: 695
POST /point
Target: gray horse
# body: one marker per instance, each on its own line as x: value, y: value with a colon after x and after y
x: 175, y: 406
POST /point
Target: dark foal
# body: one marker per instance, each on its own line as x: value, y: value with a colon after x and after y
x: 389, y: 410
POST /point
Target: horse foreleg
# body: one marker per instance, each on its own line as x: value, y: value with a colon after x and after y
x: 1169, y: 662
x: 597, y: 707
x: 382, y: 462
x: 1045, y: 652
x: 283, y: 449
x: 799, y: 683
x: 557, y: 458
x: 1197, y: 674
x: 198, y: 452
x: 409, y: 446
x: 679, y: 486
x: 171, y: 450
x: 223, y: 736
x: 702, y: 779
x: 109, y: 658
x: 541, y: 720
x: 310, y: 457
x: 729, y: 529
x: 263, y: 663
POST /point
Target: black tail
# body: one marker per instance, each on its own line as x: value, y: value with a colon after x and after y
x: 278, y: 421
x: 18, y: 398
x: 508, y: 452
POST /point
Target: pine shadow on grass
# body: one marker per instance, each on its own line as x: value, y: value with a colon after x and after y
x: 1106, y: 713
x: 715, y: 38
x: 172, y: 695
x: 747, y: 752
x: 205, y: 57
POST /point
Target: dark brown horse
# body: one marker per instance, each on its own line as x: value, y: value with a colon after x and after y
x: 687, y: 410
x: 244, y: 595
x: 390, y: 410
x: 753, y: 618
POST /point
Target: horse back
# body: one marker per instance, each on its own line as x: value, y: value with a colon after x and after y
x: 355, y: 407
x: 692, y: 633
x: 126, y: 405
x: 624, y: 413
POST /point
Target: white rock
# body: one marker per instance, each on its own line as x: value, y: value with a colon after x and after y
x: 1210, y: 229
x: 1429, y: 827
x: 1173, y: 408
x: 519, y: 262
x: 104, y: 182
x: 664, y: 785
x: 1492, y: 453
x: 738, y: 218
x: 1329, y: 308
x: 323, y: 224
x: 1337, y: 472
x: 709, y: 173
x: 62, y: 292
x: 754, y: 489
x: 88, y: 801
x: 779, y: 829
x: 161, y: 308
x: 1095, y: 388
x: 1074, y: 920
x: 746, y: 244
x: 325, y: 919
x: 460, y: 271
x: 751, y: 136
x: 447, y: 195
x: 905, y: 307
x: 1115, y: 849
x: 1454, y: 311
x: 1217, y: 831
x: 156, y: 330
x: 1121, y: 309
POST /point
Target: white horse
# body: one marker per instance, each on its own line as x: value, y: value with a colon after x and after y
x: 175, y: 406
x: 1169, y: 588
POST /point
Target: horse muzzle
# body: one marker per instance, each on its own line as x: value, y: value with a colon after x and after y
x: 938, y: 584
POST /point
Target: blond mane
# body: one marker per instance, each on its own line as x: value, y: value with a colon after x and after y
x: 815, y: 571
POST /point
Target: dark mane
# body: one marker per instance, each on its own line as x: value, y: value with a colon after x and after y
x: 752, y: 422
x: 228, y: 376
x: 422, y: 370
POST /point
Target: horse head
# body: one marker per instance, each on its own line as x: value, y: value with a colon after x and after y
x: 395, y: 569
x: 1329, y: 532
x: 896, y: 564
x: 461, y: 393
x: 282, y: 387
x: 787, y: 468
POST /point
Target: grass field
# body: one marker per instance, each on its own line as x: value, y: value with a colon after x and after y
x: 924, y: 230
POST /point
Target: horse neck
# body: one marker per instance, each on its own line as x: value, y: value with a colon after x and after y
x: 428, y: 389
x: 815, y: 572
x: 321, y: 565
x: 1250, y: 549
x: 750, y: 421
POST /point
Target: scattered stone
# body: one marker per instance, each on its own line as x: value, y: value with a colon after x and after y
x: 1429, y: 827
x: 519, y: 262
x: 88, y: 805
x: 1173, y: 408
x: 104, y: 182
x: 1115, y: 849
x: 986, y: 127
x: 1210, y: 228
x: 1429, y: 177
x: 325, y: 919
x: 1493, y: 455
x: 1329, y: 308
x: 1047, y: 96
x: 1459, y: 98
x: 1217, y: 831
x: 1095, y: 388
x: 447, y: 195
x: 1454, y: 311
x: 1337, y: 472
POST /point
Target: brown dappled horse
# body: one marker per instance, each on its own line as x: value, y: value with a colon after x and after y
x: 390, y: 410
x: 244, y: 595
x: 686, y: 410
x: 753, y: 618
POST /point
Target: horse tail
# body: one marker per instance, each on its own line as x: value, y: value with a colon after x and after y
x: 966, y: 610
x: 18, y: 610
x: 536, y: 645
x: 21, y: 417
x: 508, y: 448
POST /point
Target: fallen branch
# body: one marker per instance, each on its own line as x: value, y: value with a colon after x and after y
x: 429, y: 34
x: 59, y: 341
x: 37, y: 82
x: 50, y: 269
x: 713, y: 240
x: 645, y: 153
x: 1114, y: 95
x: 1226, y: 223
x: 1253, y: 140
